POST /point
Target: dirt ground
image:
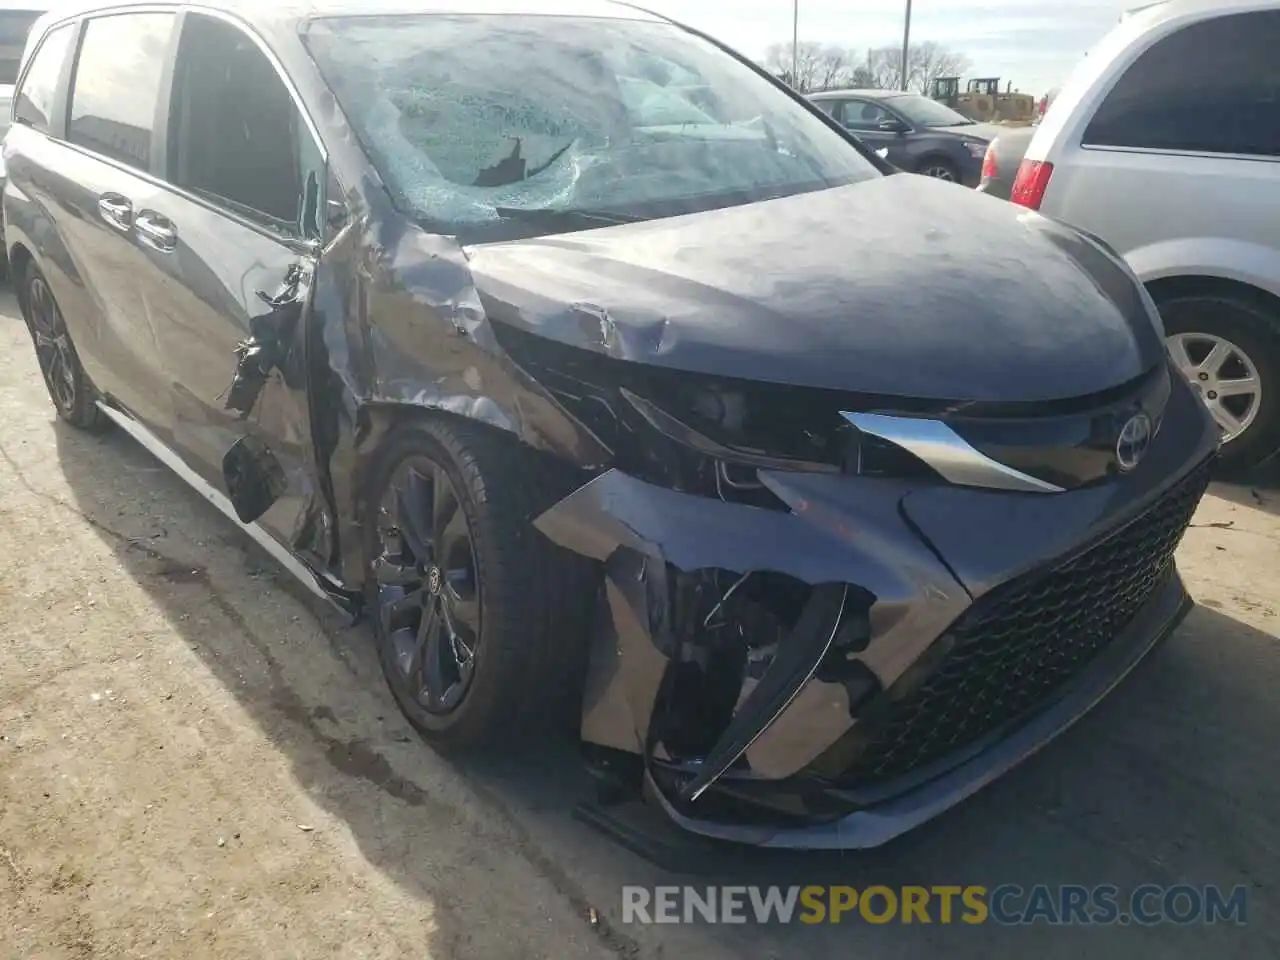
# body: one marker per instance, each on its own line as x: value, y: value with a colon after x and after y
x: 197, y: 760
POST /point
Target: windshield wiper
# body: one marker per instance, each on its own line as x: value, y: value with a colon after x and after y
x: 558, y: 216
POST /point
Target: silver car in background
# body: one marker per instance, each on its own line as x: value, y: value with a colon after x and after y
x: 1165, y: 143
x: 15, y: 23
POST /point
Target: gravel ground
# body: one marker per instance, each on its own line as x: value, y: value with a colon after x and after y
x: 197, y: 760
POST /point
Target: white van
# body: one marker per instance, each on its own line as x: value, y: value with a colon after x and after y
x: 1165, y: 143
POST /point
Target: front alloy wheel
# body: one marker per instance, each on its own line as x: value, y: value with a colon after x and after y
x: 481, y: 621
x: 427, y: 586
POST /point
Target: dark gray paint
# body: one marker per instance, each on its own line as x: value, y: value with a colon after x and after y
x: 894, y: 291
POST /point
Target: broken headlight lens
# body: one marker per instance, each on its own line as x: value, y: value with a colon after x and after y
x: 704, y: 434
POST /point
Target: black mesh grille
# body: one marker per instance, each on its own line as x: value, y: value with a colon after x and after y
x: 1021, y: 642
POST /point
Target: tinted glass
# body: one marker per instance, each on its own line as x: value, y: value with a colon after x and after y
x: 34, y: 102
x: 14, y: 27
x: 927, y: 113
x: 864, y: 115
x: 117, y: 85
x: 235, y: 130
x: 1211, y: 87
x: 469, y: 118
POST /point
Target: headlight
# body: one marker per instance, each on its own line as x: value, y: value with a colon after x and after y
x: 977, y: 149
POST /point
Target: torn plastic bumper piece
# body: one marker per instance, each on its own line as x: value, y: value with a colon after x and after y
x: 878, y: 820
x: 809, y: 752
x: 876, y: 597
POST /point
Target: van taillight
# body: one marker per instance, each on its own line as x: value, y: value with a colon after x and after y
x: 990, y: 169
x: 1030, y: 183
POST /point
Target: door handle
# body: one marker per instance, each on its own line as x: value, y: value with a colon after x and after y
x: 116, y: 210
x: 156, y: 231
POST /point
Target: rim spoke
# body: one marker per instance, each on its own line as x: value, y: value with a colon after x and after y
x: 411, y: 517
x: 1226, y: 419
x: 433, y: 672
x: 403, y: 611
x: 448, y: 523
x: 1177, y: 346
x: 393, y: 572
x: 463, y: 604
x: 1214, y: 360
x: 1237, y: 388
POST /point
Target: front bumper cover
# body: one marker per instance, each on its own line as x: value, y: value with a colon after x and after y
x: 894, y: 572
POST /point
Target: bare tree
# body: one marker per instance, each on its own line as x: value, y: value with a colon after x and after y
x: 930, y: 60
x: 818, y: 66
x: 925, y: 63
x: 884, y: 68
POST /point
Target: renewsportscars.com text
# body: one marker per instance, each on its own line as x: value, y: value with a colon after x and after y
x: 1007, y: 905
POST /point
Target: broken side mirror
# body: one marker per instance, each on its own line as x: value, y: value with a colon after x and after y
x: 254, y: 478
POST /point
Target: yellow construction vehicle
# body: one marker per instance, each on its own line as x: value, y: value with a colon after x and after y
x: 983, y: 101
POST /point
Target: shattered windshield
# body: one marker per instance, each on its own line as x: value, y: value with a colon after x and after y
x: 500, y: 126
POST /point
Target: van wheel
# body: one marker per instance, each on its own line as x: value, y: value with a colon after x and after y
x: 481, y: 622
x: 1229, y: 350
x: 69, y: 388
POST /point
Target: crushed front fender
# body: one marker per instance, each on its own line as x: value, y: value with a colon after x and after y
x: 868, y: 594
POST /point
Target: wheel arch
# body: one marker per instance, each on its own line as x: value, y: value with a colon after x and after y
x: 936, y: 155
x: 380, y: 420
x: 20, y: 257
x: 1203, y: 285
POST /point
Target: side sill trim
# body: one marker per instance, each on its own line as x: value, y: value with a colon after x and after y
x: 948, y: 453
x: 309, y: 578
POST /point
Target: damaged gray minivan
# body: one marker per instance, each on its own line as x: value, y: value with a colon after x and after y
x: 600, y: 369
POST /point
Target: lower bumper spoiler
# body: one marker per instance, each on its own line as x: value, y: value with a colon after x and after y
x: 878, y: 823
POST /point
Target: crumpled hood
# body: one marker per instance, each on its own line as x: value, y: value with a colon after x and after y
x: 898, y: 286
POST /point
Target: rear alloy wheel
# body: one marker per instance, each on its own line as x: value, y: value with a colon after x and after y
x: 69, y: 388
x: 1229, y: 351
x: 481, y: 622
x: 1224, y: 378
x: 939, y: 170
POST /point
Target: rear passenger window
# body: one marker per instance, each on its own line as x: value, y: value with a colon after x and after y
x: 34, y: 103
x: 118, y: 83
x: 235, y: 134
x: 1212, y: 87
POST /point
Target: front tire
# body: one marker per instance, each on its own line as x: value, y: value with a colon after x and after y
x: 480, y: 621
x: 73, y: 395
x: 938, y: 169
x: 1229, y: 349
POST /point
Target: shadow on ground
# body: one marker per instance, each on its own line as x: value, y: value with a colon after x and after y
x: 1172, y: 780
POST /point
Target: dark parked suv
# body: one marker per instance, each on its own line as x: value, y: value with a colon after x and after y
x: 601, y: 369
x: 912, y: 132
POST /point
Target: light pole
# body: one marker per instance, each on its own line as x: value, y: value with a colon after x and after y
x: 795, y: 43
x: 906, y: 44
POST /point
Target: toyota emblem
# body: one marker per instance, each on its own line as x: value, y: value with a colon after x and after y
x: 1135, y: 438
x: 434, y: 581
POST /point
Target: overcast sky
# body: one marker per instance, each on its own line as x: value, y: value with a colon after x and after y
x: 1034, y: 43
